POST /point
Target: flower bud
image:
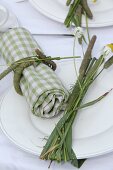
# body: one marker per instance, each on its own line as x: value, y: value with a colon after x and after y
x: 78, y: 32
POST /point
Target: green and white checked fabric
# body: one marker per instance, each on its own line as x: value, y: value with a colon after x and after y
x: 43, y: 90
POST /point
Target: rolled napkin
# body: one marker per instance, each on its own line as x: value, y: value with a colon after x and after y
x: 43, y: 90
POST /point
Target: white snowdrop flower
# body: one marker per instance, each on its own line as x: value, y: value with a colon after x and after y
x: 78, y: 32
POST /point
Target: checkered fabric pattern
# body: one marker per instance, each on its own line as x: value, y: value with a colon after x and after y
x: 44, y: 92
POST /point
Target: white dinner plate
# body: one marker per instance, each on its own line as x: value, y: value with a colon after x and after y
x: 56, y: 9
x: 3, y: 15
x: 11, y: 22
x: 92, y: 129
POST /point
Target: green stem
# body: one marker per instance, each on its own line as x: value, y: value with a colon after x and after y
x: 71, y: 12
x: 87, y: 28
x: 68, y: 2
x: 8, y: 70
x: 31, y: 59
x: 94, y: 101
x: 93, y: 71
x: 75, y: 67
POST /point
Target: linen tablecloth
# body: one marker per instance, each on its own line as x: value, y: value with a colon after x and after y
x: 13, y: 158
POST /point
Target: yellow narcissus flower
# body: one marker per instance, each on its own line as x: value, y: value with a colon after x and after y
x: 94, y: 1
x: 110, y: 46
x: 107, y: 50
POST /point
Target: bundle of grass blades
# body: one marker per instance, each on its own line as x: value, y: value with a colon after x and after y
x: 76, y: 9
x: 59, y: 145
x: 19, y: 66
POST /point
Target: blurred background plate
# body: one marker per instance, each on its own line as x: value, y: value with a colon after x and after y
x: 11, y: 19
x: 57, y: 10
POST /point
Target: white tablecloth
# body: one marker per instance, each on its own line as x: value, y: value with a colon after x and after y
x: 11, y: 157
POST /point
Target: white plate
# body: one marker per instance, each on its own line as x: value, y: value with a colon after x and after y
x: 11, y: 22
x: 57, y: 10
x: 3, y: 15
x: 92, y: 130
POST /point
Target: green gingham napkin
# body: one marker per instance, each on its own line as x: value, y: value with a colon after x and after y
x: 43, y: 90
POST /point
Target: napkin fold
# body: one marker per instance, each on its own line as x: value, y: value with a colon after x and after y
x: 43, y: 90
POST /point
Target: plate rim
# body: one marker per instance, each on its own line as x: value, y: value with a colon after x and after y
x: 20, y: 146
x: 90, y: 154
x: 54, y: 18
